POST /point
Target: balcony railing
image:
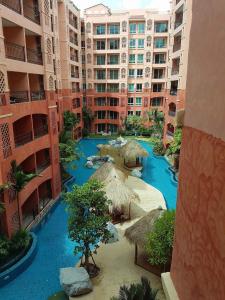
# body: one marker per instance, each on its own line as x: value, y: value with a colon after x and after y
x: 2, y: 99
x: 37, y: 95
x: 172, y: 113
x: 12, y: 4
x: 31, y: 13
x: 34, y: 56
x: 42, y: 166
x: 19, y: 97
x: 73, y: 23
x: 23, y: 138
x: 73, y: 57
x: 75, y: 75
x: 73, y: 40
x: 176, y: 47
x: 175, y: 71
x: 173, y: 92
x: 75, y: 90
x: 40, y: 131
x: 14, y: 51
x: 170, y: 133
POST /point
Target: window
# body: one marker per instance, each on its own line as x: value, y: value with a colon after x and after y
x: 139, y: 72
x: 132, y: 58
x: 160, y: 43
x: 149, y: 41
x: 158, y: 73
x: 131, y: 73
x: 141, y: 43
x: 157, y: 87
x: 147, y: 72
x: 161, y: 27
x: 124, y: 42
x: 100, y: 29
x: 114, y: 74
x: 130, y: 101
x: 113, y: 115
x: 100, y: 45
x: 141, y: 28
x: 114, y: 44
x: 132, y: 28
x: 100, y: 74
x: 113, y: 102
x: 100, y: 59
x: 123, y: 73
x: 148, y: 57
x: 157, y: 101
x: 138, y: 113
x: 124, y: 26
x: 140, y: 58
x: 113, y: 60
x: 130, y: 113
x: 101, y: 114
x: 100, y: 87
x: 114, y: 29
x: 100, y: 101
x: 132, y: 43
x: 138, y: 101
x: 131, y: 87
x: 139, y: 87
x: 113, y: 87
x: 83, y: 44
x: 160, y: 58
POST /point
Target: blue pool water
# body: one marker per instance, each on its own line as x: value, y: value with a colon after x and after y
x: 41, y: 279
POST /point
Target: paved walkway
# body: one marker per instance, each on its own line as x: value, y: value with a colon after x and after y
x: 117, y: 268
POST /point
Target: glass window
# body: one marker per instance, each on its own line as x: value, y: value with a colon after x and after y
x: 138, y: 113
x: 101, y: 114
x: 157, y: 87
x: 132, y: 43
x: 160, y: 58
x: 113, y: 87
x: 132, y: 58
x: 114, y: 74
x: 100, y: 87
x: 161, y: 27
x: 100, y: 45
x: 141, y: 43
x: 100, y: 29
x: 139, y: 72
x: 113, y: 101
x: 114, y: 29
x: 139, y: 87
x: 100, y: 74
x: 140, y: 58
x: 157, y: 101
x: 114, y: 44
x: 130, y: 113
x: 132, y: 28
x: 160, y: 43
x: 131, y: 72
x: 138, y: 101
x: 130, y: 101
x: 131, y: 87
x: 158, y: 73
x: 113, y: 60
x: 101, y: 60
x: 141, y: 27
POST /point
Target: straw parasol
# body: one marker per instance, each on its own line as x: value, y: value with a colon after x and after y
x: 106, y: 172
x: 120, y: 195
x: 133, y: 151
x: 136, y: 234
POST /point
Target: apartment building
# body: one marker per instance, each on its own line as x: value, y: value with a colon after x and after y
x: 126, y: 64
x: 39, y: 79
x: 177, y: 67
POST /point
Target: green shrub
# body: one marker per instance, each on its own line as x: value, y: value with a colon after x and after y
x: 159, y: 148
x: 160, y: 241
x: 20, y: 240
x: 4, y: 248
x: 138, y: 291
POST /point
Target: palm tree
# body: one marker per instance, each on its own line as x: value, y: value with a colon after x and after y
x: 3, y: 187
x: 157, y: 118
x: 139, y: 291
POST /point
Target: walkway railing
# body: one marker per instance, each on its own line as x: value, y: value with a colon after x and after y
x: 44, y: 165
x: 31, y: 13
x: 19, y: 97
x: 14, y: 51
x: 37, y: 95
x: 22, y: 139
x: 40, y: 131
x: 34, y: 56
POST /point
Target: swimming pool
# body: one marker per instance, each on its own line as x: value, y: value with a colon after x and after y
x: 55, y: 250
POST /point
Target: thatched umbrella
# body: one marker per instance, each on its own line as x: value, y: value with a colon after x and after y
x: 120, y: 195
x: 132, y: 152
x: 106, y: 172
x: 137, y: 233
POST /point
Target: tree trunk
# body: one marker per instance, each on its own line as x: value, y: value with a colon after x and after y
x: 18, y: 208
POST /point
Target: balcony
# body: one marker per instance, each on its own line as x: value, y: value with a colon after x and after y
x: 34, y: 56
x: 14, y: 51
x: 40, y: 131
x: 42, y: 166
x: 12, y: 4
x: 23, y: 138
x: 37, y: 95
x: 172, y: 110
x: 19, y: 97
x: 31, y: 13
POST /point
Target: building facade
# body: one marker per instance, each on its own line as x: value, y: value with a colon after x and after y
x: 39, y: 79
x: 126, y: 64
